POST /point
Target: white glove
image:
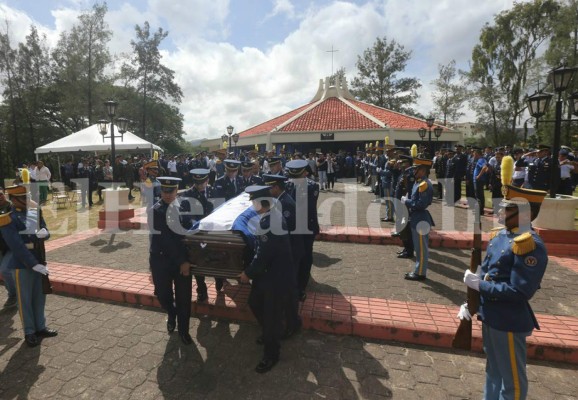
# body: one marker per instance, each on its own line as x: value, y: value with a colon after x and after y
x: 42, y: 233
x: 403, y: 199
x: 464, y: 313
x: 41, y: 269
x: 472, y: 280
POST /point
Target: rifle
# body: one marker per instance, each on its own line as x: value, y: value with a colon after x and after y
x: 40, y: 252
x: 463, y: 337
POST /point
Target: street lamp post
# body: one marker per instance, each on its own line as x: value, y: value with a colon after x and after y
x: 437, y: 132
x: 229, y: 135
x: 122, y: 128
x: 538, y: 104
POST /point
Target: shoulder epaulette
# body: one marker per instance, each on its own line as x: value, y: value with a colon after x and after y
x: 422, y: 186
x: 5, y: 218
x: 523, y: 244
x: 494, y: 232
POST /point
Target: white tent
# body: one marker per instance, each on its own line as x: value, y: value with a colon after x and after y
x: 90, y: 139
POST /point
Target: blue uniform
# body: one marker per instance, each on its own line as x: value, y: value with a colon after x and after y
x: 167, y: 253
x: 538, y: 172
x: 387, y: 187
x: 511, y: 274
x: 420, y: 222
x: 252, y: 180
x: 228, y: 188
x: 404, y: 188
x: 18, y: 230
x: 270, y: 270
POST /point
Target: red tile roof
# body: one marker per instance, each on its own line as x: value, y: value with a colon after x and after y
x: 333, y: 114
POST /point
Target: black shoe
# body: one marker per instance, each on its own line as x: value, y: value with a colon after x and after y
x: 395, y: 234
x: 265, y: 365
x: 400, y: 252
x: 260, y: 341
x: 186, y: 338
x: 47, y: 332
x: 387, y: 219
x: 202, y: 297
x: 411, y: 276
x: 405, y: 254
x: 219, y: 285
x: 31, y: 340
x: 171, y: 324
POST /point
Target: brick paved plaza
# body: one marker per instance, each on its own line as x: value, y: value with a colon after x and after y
x: 112, y: 350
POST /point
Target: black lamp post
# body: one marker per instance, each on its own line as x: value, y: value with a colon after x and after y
x: 437, y: 132
x: 538, y: 104
x: 122, y: 128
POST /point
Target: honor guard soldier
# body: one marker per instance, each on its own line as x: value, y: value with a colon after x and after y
x: 152, y: 187
x: 286, y: 205
x: 305, y: 192
x: 168, y: 260
x: 275, y: 165
x: 21, y: 228
x: 404, y: 188
x: 249, y: 179
x: 195, y: 205
x: 229, y: 185
x: 420, y: 220
x: 508, y: 278
x: 461, y: 164
x: 270, y: 270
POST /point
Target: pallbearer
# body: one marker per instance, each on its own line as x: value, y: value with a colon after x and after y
x: 249, y: 179
x: 168, y: 260
x: 270, y: 270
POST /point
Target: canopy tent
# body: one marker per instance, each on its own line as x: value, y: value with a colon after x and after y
x: 90, y: 139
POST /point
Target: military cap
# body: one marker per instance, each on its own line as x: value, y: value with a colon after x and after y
x: 450, y: 150
x: 564, y: 152
x: 459, y: 145
x: 422, y: 162
x: 272, y: 179
x: 296, y: 167
x: 514, y: 196
x: 151, y: 164
x: 16, y: 190
x: 247, y: 164
x: 232, y: 165
x: 406, y: 158
x: 169, y: 183
x: 517, y: 150
x: 199, y: 175
x: 404, y: 150
x: 257, y: 191
x: 477, y: 148
x: 543, y: 147
x: 273, y: 160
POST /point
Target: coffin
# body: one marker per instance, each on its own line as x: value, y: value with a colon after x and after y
x: 217, y: 247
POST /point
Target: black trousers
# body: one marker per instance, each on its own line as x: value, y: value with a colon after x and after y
x: 406, y: 238
x: 306, y: 262
x: 267, y: 302
x: 457, y: 189
x: 178, y: 303
x: 480, y: 195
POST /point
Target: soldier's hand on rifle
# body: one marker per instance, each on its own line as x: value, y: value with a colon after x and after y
x: 186, y: 268
x: 42, y: 233
x: 472, y: 280
x: 41, y: 269
x: 403, y: 199
x: 464, y: 312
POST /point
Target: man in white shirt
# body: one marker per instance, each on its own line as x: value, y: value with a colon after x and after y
x: 43, y: 176
x: 172, y: 167
x: 566, y: 168
x: 32, y: 170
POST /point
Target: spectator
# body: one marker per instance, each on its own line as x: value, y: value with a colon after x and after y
x: 43, y: 177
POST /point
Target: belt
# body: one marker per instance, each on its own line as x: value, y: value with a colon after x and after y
x: 30, y: 246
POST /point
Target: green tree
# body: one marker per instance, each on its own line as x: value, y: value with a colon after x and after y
x: 378, y: 82
x: 153, y: 81
x: 449, y: 96
x: 502, y: 59
x: 8, y: 57
x: 81, y: 57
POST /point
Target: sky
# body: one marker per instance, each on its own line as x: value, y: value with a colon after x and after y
x: 242, y: 62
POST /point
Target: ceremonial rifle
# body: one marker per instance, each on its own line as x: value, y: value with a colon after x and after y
x: 463, y: 336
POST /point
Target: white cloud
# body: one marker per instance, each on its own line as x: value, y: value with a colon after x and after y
x: 282, y: 7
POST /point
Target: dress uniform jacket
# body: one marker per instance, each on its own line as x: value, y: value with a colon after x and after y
x: 538, y: 172
x: 253, y: 180
x: 198, y: 207
x: 421, y: 198
x: 511, y: 274
x: 228, y: 188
